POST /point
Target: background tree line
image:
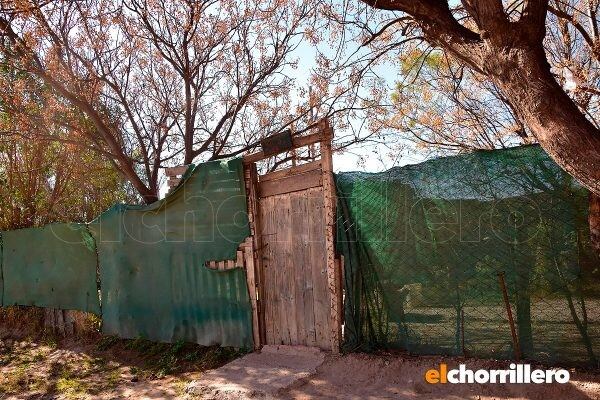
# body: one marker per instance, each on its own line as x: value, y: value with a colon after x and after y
x: 145, y: 85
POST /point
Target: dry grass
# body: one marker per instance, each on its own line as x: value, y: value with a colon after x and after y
x: 21, y: 321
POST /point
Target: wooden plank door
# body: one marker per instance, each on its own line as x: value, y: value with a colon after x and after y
x: 298, y: 280
x: 294, y: 260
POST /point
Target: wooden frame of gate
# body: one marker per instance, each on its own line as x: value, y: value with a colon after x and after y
x: 315, y: 174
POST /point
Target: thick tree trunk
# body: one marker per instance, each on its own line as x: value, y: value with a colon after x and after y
x: 523, y: 75
x: 511, y: 54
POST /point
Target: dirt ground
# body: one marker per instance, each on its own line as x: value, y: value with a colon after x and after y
x: 363, y: 376
x: 102, y: 368
x: 110, y: 368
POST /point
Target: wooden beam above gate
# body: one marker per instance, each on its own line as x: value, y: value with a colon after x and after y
x: 285, y: 173
x: 297, y: 142
x: 292, y: 179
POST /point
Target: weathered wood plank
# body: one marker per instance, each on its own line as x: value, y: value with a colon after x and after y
x: 304, y: 311
x: 225, y: 265
x: 271, y: 271
x: 329, y: 205
x: 266, y: 257
x: 284, y: 173
x: 251, y: 181
x: 266, y: 288
x: 289, y: 265
x: 340, y: 284
x: 281, y: 328
x: 318, y: 264
x: 290, y: 184
x: 248, y: 255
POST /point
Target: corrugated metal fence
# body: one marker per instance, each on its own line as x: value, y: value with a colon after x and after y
x: 142, y: 268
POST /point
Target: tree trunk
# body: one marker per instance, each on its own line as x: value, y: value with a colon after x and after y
x: 522, y: 263
x: 594, y: 221
x: 523, y: 75
x: 512, y: 56
x: 523, y: 302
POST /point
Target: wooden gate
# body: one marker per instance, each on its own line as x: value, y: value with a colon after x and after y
x: 296, y: 278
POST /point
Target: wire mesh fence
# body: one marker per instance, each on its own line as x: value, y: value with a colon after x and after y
x: 430, y: 250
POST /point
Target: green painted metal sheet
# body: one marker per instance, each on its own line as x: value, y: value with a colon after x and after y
x: 52, y: 266
x: 154, y: 281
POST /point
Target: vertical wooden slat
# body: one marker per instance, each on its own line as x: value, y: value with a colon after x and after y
x: 278, y: 241
x: 290, y: 270
x: 268, y: 259
x: 248, y: 260
x: 329, y: 205
x: 318, y: 267
x: 271, y: 273
x: 279, y: 316
x: 301, y: 285
x: 309, y: 287
x: 251, y: 180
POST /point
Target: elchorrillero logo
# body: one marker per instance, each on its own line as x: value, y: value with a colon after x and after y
x: 516, y: 373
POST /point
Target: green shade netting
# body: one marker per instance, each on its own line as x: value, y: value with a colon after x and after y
x: 52, y: 266
x: 424, y: 245
x: 152, y: 262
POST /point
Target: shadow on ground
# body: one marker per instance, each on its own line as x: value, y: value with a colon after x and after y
x: 102, y: 367
x: 111, y: 368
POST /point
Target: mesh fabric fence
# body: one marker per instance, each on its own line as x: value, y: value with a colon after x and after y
x: 424, y: 247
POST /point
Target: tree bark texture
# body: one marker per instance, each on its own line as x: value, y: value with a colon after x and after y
x: 594, y: 220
